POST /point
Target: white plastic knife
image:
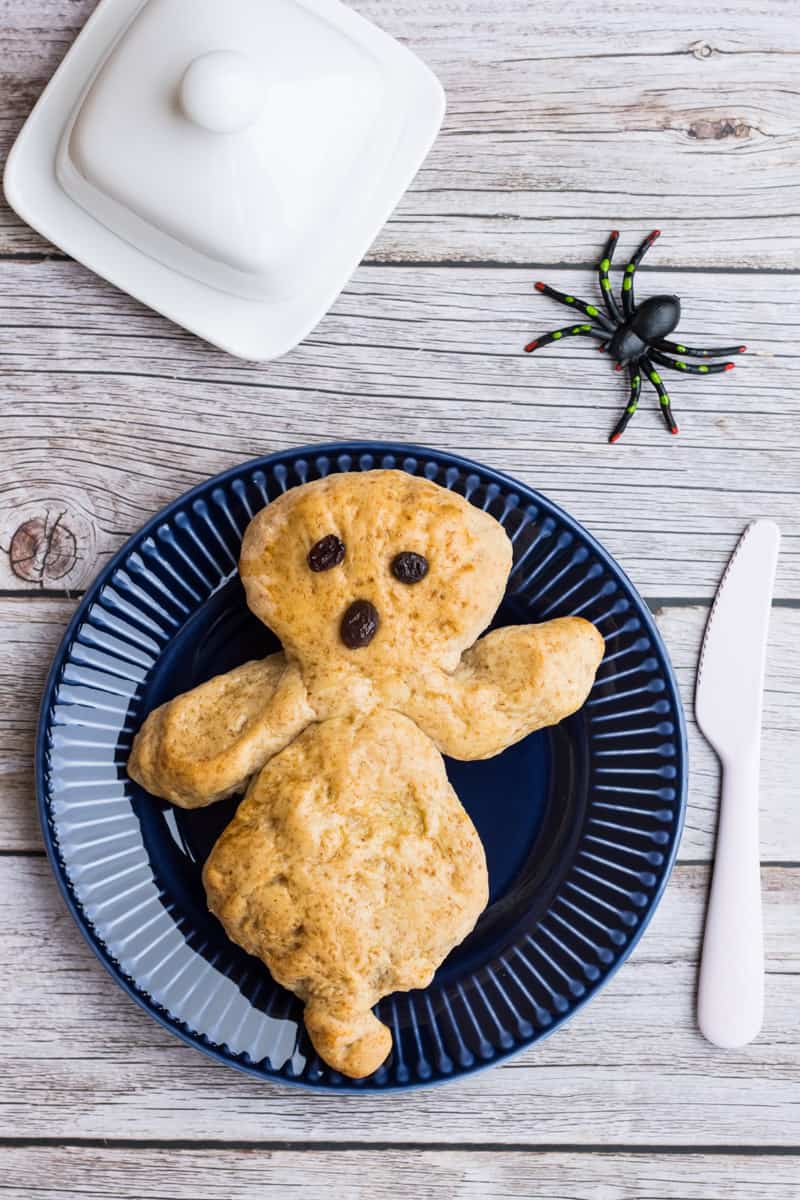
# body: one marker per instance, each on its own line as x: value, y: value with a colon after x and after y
x: 730, y: 685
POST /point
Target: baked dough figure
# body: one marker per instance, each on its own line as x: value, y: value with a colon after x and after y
x: 351, y: 868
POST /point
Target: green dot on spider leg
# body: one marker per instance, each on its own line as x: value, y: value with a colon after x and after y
x: 664, y: 400
x: 631, y: 408
x: 626, y: 283
x: 605, y: 285
x: 556, y: 337
x: 631, y: 267
x: 680, y: 364
x: 605, y: 264
x: 570, y: 299
x: 703, y: 370
x: 655, y: 377
x: 591, y: 310
x: 636, y: 381
x: 681, y: 349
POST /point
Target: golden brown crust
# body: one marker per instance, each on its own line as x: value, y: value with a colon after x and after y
x: 510, y: 683
x: 351, y: 869
x: 354, y: 1043
x: 205, y: 744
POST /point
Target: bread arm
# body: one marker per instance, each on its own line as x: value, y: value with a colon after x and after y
x: 205, y: 744
x: 511, y: 682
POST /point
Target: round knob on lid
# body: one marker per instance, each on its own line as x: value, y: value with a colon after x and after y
x: 221, y: 91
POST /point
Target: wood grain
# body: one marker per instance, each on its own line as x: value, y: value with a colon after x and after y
x: 29, y: 635
x: 111, y: 411
x: 123, y: 1173
x: 80, y: 1060
x: 622, y: 116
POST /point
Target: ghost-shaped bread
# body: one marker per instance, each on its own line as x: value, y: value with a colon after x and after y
x: 351, y: 868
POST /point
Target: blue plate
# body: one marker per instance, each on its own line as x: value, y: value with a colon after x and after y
x: 581, y: 822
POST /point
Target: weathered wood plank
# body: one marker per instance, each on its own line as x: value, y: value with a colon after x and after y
x: 556, y: 130
x: 80, y: 1060
x: 121, y: 1173
x: 110, y: 411
x: 30, y: 630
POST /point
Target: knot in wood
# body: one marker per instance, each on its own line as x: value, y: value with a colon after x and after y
x: 725, y: 127
x: 43, y: 549
x: 701, y: 49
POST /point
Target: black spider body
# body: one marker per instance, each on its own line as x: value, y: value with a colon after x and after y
x: 635, y: 336
x: 651, y: 320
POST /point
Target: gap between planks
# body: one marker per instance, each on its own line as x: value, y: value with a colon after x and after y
x: 313, y: 1146
x: 478, y: 264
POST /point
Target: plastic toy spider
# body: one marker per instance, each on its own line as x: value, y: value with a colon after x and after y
x: 636, y: 336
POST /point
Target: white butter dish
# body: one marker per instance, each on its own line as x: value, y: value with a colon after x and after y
x: 228, y: 164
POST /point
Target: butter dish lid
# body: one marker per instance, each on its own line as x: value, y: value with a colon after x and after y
x: 230, y: 140
x: 252, y: 147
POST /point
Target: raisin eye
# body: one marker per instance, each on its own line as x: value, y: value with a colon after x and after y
x: 409, y: 567
x: 326, y: 553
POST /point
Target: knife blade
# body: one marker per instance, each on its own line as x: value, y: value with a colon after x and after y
x: 728, y: 703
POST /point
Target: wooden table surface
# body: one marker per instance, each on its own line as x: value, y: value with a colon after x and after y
x: 563, y: 122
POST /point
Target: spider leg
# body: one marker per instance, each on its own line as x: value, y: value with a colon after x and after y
x: 567, y: 331
x: 697, y: 351
x: 633, y: 403
x: 574, y: 302
x: 605, y: 282
x: 663, y: 398
x: 628, y: 302
x: 677, y: 364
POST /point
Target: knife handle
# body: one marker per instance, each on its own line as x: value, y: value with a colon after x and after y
x: 730, y: 998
